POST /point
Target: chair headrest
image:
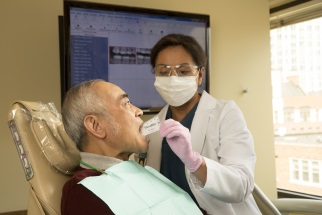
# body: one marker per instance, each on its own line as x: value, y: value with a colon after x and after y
x: 48, y: 130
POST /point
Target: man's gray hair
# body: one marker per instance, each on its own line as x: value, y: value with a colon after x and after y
x: 80, y: 101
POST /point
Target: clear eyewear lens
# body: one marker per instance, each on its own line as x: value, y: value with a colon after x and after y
x: 181, y: 70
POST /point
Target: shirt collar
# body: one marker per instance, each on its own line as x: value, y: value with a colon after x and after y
x: 99, y: 161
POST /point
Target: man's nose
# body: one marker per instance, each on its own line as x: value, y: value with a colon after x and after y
x: 138, y: 111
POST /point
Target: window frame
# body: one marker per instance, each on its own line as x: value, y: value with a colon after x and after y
x: 288, y: 15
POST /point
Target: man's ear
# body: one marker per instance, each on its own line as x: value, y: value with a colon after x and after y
x: 94, y: 125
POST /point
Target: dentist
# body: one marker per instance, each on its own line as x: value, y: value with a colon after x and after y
x: 204, y: 145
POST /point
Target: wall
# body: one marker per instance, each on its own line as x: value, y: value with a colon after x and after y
x: 29, y: 55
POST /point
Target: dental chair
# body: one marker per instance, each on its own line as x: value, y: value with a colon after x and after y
x: 47, y: 154
x: 286, y: 206
x: 263, y: 203
x: 49, y: 157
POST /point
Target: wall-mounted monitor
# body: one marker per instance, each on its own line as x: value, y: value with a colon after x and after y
x: 112, y: 42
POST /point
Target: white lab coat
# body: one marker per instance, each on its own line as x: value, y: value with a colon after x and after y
x: 220, y: 134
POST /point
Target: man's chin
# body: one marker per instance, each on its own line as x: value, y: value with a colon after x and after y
x: 145, y: 150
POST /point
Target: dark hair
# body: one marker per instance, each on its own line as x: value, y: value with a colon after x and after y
x: 187, y: 42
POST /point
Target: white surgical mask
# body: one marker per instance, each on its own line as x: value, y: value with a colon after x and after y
x: 176, y: 90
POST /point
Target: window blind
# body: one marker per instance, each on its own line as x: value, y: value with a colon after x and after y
x: 299, y: 13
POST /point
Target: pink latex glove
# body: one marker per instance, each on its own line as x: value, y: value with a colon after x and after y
x: 179, y: 140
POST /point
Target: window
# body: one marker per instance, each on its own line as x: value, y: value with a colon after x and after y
x: 295, y: 171
x: 296, y: 62
x: 316, y: 172
x: 305, y: 114
x: 306, y: 172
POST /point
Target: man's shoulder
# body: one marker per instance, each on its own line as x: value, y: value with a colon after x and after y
x: 71, y: 187
x: 81, y: 174
x: 77, y: 199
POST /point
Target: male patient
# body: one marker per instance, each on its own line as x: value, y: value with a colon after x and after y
x: 105, y: 126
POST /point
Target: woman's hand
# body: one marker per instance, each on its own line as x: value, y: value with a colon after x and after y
x: 179, y: 140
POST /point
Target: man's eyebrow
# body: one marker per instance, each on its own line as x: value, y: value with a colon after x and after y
x: 123, y: 96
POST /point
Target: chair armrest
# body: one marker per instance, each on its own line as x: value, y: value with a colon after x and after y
x: 288, y: 205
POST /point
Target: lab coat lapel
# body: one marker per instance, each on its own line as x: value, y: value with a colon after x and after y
x: 200, y: 121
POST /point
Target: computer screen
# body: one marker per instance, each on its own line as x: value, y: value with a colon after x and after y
x: 112, y: 42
